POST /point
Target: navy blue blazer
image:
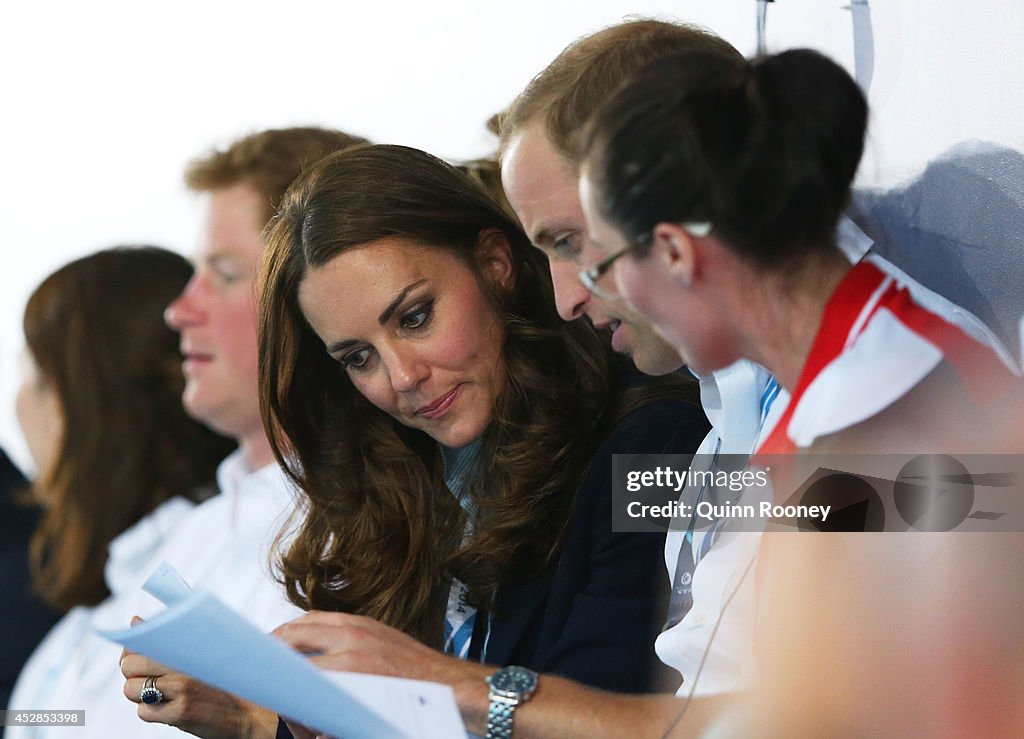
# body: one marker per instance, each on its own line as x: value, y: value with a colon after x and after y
x: 25, y: 618
x: 593, y: 618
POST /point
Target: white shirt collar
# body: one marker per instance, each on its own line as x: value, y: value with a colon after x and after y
x: 235, y: 475
x: 853, y: 242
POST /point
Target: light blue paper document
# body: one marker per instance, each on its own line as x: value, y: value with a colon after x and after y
x: 200, y: 636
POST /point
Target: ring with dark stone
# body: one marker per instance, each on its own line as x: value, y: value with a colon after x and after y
x: 150, y: 693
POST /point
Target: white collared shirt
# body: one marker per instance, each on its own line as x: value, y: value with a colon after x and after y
x: 731, y: 399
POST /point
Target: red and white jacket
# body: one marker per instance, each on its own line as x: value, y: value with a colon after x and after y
x: 874, y: 345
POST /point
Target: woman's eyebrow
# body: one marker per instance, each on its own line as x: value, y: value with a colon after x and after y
x: 386, y: 314
x: 340, y: 345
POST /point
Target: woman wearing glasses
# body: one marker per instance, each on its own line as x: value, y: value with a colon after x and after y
x: 714, y: 189
x: 452, y: 435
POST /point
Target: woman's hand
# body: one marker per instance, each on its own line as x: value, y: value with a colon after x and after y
x: 194, y: 706
x: 347, y: 643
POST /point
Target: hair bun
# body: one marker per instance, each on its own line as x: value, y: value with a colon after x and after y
x: 811, y: 97
x: 766, y: 150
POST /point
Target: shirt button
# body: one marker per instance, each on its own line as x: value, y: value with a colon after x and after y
x: 699, y: 618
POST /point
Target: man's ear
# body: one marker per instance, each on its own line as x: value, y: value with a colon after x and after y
x: 673, y: 247
x: 494, y: 259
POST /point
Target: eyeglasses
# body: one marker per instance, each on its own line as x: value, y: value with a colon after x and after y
x: 590, y: 276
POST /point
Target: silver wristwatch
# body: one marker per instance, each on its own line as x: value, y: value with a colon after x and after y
x: 510, y: 686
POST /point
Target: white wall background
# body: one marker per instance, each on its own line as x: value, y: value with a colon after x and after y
x: 105, y: 101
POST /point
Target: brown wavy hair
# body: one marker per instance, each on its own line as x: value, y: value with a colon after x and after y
x: 380, y: 533
x: 95, y: 330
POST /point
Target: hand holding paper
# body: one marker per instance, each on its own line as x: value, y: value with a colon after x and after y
x: 203, y: 638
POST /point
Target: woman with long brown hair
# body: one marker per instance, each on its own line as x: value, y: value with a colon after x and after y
x: 452, y: 435
x: 118, y: 459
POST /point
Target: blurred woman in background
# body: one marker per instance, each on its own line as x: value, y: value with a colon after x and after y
x: 118, y: 459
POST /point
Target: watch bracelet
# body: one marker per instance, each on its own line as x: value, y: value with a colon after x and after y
x: 499, y: 719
